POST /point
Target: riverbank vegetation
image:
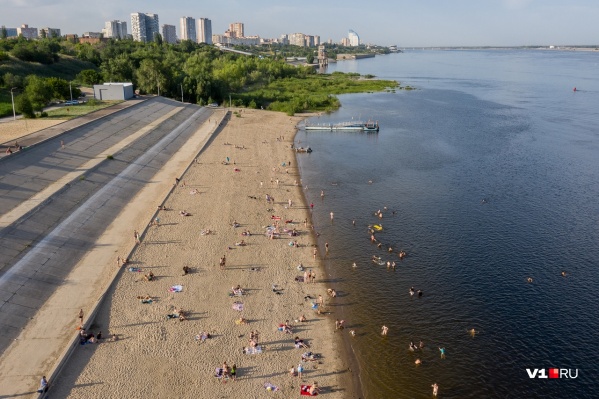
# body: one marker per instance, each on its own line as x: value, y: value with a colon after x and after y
x: 40, y: 71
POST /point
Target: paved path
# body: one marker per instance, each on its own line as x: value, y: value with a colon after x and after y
x: 58, y: 256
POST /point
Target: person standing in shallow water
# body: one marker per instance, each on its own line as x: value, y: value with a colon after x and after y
x: 435, y: 389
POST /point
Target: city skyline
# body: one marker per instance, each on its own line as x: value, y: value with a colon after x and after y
x: 405, y: 23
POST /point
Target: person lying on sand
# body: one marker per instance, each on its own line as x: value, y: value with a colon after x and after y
x: 150, y: 276
x: 299, y: 343
x: 145, y: 299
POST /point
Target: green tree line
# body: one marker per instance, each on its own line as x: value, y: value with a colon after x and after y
x: 202, y: 72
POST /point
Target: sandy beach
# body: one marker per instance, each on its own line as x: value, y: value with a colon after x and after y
x: 155, y: 356
x: 13, y: 130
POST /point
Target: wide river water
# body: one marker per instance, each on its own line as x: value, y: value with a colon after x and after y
x: 489, y: 172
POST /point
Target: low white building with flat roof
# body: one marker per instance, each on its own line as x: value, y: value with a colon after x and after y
x: 114, y: 91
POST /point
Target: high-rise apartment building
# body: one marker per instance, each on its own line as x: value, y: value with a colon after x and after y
x: 236, y: 29
x: 144, y: 26
x: 169, y: 33
x: 188, y: 29
x: 115, y: 29
x: 204, y: 31
x: 354, y: 39
x: 27, y: 32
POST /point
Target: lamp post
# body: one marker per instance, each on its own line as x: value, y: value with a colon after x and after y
x: 12, y: 99
x: 71, y: 90
x: 182, y: 92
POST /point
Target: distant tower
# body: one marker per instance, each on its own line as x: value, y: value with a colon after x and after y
x: 144, y: 26
x: 188, y: 29
x: 354, y: 39
x: 169, y: 33
x: 237, y: 29
x: 204, y: 31
x: 323, y: 60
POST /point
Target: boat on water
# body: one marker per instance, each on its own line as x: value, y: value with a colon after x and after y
x: 377, y: 227
x: 353, y: 126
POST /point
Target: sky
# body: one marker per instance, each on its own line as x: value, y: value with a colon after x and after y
x: 405, y: 23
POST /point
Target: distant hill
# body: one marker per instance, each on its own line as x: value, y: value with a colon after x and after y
x: 66, y: 68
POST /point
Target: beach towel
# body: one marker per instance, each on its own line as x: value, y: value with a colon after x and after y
x: 252, y: 351
x: 269, y: 387
x: 299, y: 279
x: 134, y: 269
x: 275, y: 217
x: 176, y: 288
x: 305, y: 390
x: 238, y: 306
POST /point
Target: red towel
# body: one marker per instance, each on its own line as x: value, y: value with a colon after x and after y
x: 305, y: 390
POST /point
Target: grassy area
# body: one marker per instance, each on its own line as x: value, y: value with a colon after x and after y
x: 5, y: 103
x: 313, y: 93
x: 67, y: 68
x: 73, y: 111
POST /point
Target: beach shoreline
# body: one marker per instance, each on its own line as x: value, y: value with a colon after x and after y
x: 262, y: 141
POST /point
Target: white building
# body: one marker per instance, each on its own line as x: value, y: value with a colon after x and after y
x: 144, y: 26
x: 169, y: 33
x: 204, y: 31
x: 115, y: 29
x: 27, y: 32
x: 188, y: 29
x: 114, y: 91
x: 354, y: 39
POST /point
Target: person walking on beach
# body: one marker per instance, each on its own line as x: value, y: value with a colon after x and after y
x: 311, y: 206
x: 223, y: 262
x: 314, y: 253
x: 300, y: 370
x: 43, y: 385
x: 326, y: 247
x: 136, y: 236
x: 312, y: 277
x: 435, y: 389
x: 306, y: 277
x: 81, y: 317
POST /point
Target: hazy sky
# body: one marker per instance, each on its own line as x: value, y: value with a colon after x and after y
x: 406, y: 23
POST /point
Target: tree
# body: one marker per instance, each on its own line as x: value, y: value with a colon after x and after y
x: 3, y: 33
x: 23, y: 106
x: 43, y: 34
x: 60, y: 89
x: 12, y: 80
x: 38, y: 92
x: 310, y: 59
x: 150, y: 76
x: 89, y: 77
